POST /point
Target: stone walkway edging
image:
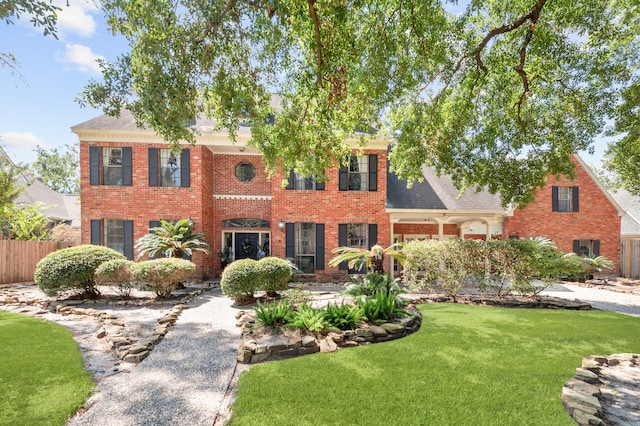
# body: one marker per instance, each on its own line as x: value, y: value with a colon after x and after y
x: 252, y: 350
x: 582, y: 395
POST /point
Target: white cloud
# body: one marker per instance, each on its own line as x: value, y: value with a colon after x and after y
x: 80, y: 56
x: 16, y: 140
x: 76, y: 18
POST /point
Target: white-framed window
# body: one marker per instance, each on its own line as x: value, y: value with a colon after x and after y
x: 112, y: 171
x: 564, y: 199
x: 357, y: 235
x: 305, y: 246
x: 170, y: 168
x: 357, y: 173
x: 114, y: 234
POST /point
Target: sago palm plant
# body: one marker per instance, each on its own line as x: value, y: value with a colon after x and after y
x: 172, y: 239
x: 373, y: 259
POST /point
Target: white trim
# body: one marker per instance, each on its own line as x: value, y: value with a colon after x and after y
x: 241, y: 197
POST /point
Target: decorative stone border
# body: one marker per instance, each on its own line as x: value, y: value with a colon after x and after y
x: 255, y: 350
x: 127, y: 348
x: 583, y: 397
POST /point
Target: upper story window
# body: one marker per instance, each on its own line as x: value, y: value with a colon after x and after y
x: 361, y: 174
x: 110, y: 166
x: 168, y: 169
x: 245, y: 172
x: 299, y: 182
x: 564, y: 199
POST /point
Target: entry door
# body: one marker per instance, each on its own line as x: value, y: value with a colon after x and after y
x: 246, y: 245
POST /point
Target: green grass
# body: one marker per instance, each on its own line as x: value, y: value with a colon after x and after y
x: 42, y: 376
x: 468, y: 365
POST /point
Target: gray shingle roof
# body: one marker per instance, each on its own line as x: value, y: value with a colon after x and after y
x: 630, y: 224
x: 437, y: 192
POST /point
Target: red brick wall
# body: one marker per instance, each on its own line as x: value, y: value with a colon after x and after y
x: 225, y: 181
x: 596, y: 219
x: 142, y: 203
x: 425, y: 229
x: 331, y: 207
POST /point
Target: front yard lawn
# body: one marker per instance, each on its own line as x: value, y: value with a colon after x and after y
x: 42, y: 376
x: 467, y: 365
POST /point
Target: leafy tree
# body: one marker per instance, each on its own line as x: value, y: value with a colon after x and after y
x: 58, y: 170
x: 9, y: 191
x: 26, y: 223
x: 172, y: 239
x: 42, y: 13
x: 497, y: 94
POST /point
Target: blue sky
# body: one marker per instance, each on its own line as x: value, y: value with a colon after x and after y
x: 40, y: 110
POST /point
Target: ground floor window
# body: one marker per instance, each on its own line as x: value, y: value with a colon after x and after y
x: 305, y: 237
x: 113, y: 233
x: 586, y: 248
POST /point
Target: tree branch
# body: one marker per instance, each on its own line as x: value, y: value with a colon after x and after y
x: 316, y: 29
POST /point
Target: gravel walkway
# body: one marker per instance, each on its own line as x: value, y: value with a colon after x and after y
x: 185, y: 378
x: 623, y: 303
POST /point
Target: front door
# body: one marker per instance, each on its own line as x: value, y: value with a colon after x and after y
x: 246, y: 245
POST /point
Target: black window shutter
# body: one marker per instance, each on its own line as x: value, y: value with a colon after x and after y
x: 95, y: 232
x: 153, y: 166
x: 320, y: 246
x: 292, y: 180
x: 373, y: 234
x: 373, y: 172
x: 596, y: 247
x: 128, y: 238
x: 185, y: 166
x: 343, y: 178
x: 290, y: 241
x: 94, y: 165
x: 127, y: 170
x: 320, y: 186
x: 576, y: 246
x: 154, y: 224
x: 575, y: 205
x: 342, y: 242
x: 554, y: 198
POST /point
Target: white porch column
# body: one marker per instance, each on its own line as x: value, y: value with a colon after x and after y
x: 440, y: 231
x: 488, y: 225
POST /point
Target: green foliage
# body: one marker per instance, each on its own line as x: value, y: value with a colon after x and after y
x: 312, y: 319
x: 43, y: 380
x: 117, y: 274
x: 275, y: 274
x: 72, y: 268
x: 582, y: 268
x: 297, y: 296
x: 240, y: 279
x: 274, y: 314
x: 372, y: 260
x: 172, y: 239
x: 162, y: 275
x: 343, y: 316
x: 60, y: 171
x: 370, y: 284
x: 380, y: 307
x: 495, y: 94
x: 9, y: 191
x: 26, y: 223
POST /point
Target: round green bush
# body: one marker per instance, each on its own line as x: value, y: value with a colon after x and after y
x: 240, y: 279
x: 72, y: 268
x: 275, y: 274
x: 117, y: 274
x: 162, y: 275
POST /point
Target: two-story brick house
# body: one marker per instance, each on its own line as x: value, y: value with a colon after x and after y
x: 130, y: 180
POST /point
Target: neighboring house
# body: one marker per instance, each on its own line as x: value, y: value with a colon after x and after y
x: 129, y: 180
x: 60, y: 208
x: 629, y: 234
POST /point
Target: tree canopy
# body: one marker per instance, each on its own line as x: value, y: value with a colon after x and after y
x: 59, y: 170
x: 496, y: 94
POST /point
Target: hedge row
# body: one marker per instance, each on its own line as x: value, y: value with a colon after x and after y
x: 82, y: 267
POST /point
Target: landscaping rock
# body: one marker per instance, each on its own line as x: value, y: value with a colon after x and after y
x: 328, y: 345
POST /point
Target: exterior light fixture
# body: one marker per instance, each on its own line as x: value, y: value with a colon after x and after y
x: 281, y: 225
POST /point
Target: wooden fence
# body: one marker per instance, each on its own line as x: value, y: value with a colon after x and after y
x: 18, y: 259
x: 630, y: 258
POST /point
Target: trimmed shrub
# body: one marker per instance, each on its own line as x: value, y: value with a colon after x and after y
x: 162, y: 275
x: 117, y: 274
x: 275, y: 274
x: 72, y: 268
x: 240, y: 279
